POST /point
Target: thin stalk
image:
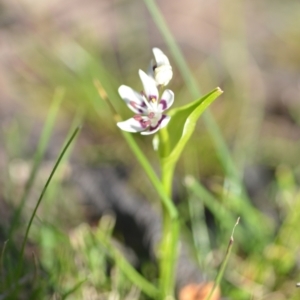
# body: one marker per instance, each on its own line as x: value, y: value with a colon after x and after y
x: 224, y: 263
x: 20, y: 263
x: 169, y: 244
x: 160, y: 188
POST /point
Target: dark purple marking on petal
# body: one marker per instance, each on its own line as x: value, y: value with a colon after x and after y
x: 143, y: 105
x: 142, y: 108
x: 163, y: 104
x: 139, y: 107
x: 145, y: 123
x: 158, y: 123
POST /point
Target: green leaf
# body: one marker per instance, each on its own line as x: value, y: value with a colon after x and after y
x: 182, y: 125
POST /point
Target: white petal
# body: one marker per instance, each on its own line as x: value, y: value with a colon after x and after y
x: 131, y: 125
x: 149, y: 85
x: 131, y: 96
x: 160, y: 57
x: 162, y: 72
x: 167, y: 100
x: 164, y: 122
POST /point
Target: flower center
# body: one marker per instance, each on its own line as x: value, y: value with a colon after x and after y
x: 152, y: 99
x: 151, y: 115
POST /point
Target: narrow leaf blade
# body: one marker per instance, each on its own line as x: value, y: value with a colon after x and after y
x: 183, y: 123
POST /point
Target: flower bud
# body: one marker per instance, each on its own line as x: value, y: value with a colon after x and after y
x: 160, y: 70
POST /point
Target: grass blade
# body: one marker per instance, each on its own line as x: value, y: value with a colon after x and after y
x: 224, y: 263
x: 69, y: 142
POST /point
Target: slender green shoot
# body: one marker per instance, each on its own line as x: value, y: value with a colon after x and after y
x: 69, y: 142
x: 166, y: 200
x: 224, y: 263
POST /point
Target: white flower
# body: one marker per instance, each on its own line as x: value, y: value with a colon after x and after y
x: 160, y: 69
x: 148, y: 108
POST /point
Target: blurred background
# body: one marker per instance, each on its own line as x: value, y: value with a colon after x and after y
x: 54, y: 51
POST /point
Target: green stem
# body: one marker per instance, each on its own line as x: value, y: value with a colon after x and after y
x: 165, y: 197
x: 168, y: 249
